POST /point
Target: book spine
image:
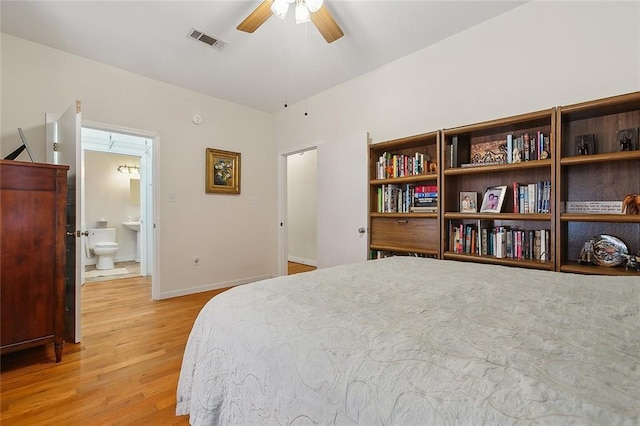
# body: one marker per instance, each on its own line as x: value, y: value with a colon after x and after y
x: 485, y: 234
x: 533, y: 142
x: 539, y: 196
x: 509, y: 149
x: 454, y: 151
x: 547, y: 145
x: 426, y: 188
x: 532, y: 197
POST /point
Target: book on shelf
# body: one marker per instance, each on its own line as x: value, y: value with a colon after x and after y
x: 426, y: 196
x: 488, y: 163
x: 420, y: 195
x: 529, y: 147
x: 483, y: 227
x: 499, y: 241
x: 416, y: 209
x: 390, y: 165
x: 459, y: 150
x: 424, y: 200
x: 396, y: 198
x: 536, y: 245
x: 532, y: 197
x: 531, y: 187
x: 426, y: 188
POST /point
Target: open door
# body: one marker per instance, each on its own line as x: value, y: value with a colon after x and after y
x: 64, y: 147
x: 342, y: 201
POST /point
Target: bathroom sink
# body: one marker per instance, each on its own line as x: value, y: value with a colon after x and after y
x: 134, y: 226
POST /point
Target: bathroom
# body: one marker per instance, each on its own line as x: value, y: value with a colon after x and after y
x: 112, y: 198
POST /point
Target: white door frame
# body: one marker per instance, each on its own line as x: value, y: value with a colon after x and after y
x: 152, y: 178
x: 283, y: 233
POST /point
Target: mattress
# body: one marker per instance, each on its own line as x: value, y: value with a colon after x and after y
x: 415, y: 341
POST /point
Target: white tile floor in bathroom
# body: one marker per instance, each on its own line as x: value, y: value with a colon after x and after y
x: 122, y: 269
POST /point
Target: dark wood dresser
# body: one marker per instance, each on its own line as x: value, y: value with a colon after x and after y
x: 33, y: 201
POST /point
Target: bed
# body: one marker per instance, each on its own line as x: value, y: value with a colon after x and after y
x: 408, y: 341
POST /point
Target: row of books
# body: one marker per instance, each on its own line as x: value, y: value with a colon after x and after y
x: 532, y: 197
x: 499, y: 241
x: 528, y: 147
x: 393, y: 198
x: 391, y: 165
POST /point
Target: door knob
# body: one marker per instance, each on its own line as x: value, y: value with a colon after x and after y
x: 361, y: 230
x: 77, y: 234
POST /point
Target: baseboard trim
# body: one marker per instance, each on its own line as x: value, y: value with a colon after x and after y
x: 213, y: 286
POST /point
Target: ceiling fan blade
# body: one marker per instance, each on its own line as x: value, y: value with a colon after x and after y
x: 257, y: 17
x: 327, y: 26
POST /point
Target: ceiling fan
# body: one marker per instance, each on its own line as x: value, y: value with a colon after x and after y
x: 306, y: 10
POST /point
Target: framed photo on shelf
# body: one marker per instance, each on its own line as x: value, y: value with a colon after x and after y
x: 468, y: 202
x: 627, y: 138
x: 585, y: 144
x: 493, y: 199
x: 222, y: 173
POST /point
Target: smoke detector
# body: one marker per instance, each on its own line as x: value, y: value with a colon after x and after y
x: 210, y: 41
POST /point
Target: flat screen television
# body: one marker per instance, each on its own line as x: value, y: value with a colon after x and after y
x: 18, y: 151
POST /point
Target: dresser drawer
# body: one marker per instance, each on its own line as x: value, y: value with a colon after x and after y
x: 409, y: 233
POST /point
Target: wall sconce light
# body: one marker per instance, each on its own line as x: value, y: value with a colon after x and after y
x: 131, y: 170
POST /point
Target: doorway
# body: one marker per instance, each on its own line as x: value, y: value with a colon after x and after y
x: 112, y: 203
x: 118, y: 196
x: 341, y: 201
x: 302, y: 208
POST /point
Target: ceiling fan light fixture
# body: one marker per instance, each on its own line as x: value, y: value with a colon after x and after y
x: 280, y: 8
x: 313, y: 5
x: 302, y: 13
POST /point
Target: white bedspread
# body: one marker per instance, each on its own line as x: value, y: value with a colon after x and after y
x: 411, y: 341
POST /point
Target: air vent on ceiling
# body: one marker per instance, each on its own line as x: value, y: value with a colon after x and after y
x: 196, y: 34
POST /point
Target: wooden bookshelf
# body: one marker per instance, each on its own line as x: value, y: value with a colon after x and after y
x: 403, y: 231
x: 604, y: 174
x: 458, y: 175
x: 608, y: 174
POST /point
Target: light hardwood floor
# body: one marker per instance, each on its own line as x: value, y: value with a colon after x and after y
x: 296, y: 268
x: 124, y: 372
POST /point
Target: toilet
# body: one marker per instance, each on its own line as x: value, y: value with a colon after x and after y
x: 103, y: 243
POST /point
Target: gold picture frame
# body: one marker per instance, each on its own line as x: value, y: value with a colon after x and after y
x: 222, y: 173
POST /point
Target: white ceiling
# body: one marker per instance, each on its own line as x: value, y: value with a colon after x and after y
x: 280, y: 63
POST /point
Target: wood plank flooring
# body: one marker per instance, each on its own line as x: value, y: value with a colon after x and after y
x: 125, y: 371
x: 296, y: 268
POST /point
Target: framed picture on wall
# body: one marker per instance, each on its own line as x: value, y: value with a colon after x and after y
x: 222, y: 172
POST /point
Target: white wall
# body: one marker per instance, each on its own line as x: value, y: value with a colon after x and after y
x: 233, y: 237
x: 539, y: 55
x: 302, y: 205
x: 107, y: 196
